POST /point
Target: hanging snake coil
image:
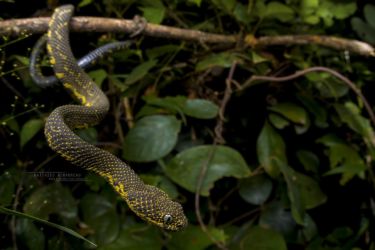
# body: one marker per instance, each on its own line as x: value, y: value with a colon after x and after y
x: 148, y: 202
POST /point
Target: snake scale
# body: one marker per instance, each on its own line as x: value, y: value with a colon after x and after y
x: 148, y: 202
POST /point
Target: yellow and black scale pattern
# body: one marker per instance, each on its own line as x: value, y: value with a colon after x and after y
x: 148, y: 202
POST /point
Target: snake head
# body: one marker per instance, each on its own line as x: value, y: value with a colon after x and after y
x: 154, y: 206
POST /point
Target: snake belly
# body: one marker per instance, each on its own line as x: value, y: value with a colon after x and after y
x: 148, y: 202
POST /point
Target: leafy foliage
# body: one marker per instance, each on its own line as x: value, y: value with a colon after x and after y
x: 288, y: 165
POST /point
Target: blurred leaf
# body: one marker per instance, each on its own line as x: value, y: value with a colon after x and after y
x: 278, y: 121
x: 274, y: 215
x: 158, y: 51
x: 224, y: 59
x: 343, y: 158
x: 196, y: 2
x: 369, y: 12
x: 98, y: 76
x: 294, y: 192
x: 185, y: 167
x: 255, y: 189
x: 309, y: 160
x: 152, y: 138
x: 29, y: 235
x: 291, y: 111
x: 136, y: 236
x: 363, y: 30
x: 258, y: 238
x: 200, y: 108
x: 226, y: 5
x: 350, y: 114
x: 51, y: 199
x: 100, y: 215
x: 161, y: 182
x: 172, y: 103
x: 84, y: 3
x: 197, y: 108
x: 311, y: 194
x: 153, y: 14
x: 7, y: 188
x: 309, y: 229
x: 270, y: 145
x: 62, y: 228
x: 194, y: 238
x: 257, y: 58
x: 241, y: 13
x: 88, y: 134
x: 29, y: 130
x: 316, y: 109
x: 140, y: 71
x: 279, y: 11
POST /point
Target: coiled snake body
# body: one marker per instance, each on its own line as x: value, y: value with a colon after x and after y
x: 148, y: 202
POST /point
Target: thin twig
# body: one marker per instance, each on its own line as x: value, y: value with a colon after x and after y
x: 16, y: 27
x: 128, y: 112
x: 218, y: 139
x: 299, y: 73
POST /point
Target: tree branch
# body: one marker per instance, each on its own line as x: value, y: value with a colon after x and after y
x: 16, y: 27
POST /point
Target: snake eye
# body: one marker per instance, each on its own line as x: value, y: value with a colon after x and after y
x: 168, y: 218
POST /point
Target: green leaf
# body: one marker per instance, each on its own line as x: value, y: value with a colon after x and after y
x: 291, y: 111
x: 29, y: 130
x: 140, y: 71
x: 226, y: 5
x: 153, y: 14
x: 62, y: 228
x: 152, y: 138
x: 201, y: 109
x: 29, y: 235
x: 258, y: 238
x: 162, y: 182
x: 311, y: 194
x: 316, y: 109
x: 351, y: 115
x: 100, y: 215
x: 294, y: 193
x: 279, y: 11
x: 51, y: 199
x: 197, y: 108
x: 171, y: 103
x: 278, y: 217
x: 255, y: 189
x: 194, y: 238
x: 7, y: 188
x: 221, y: 161
x: 84, y: 3
x: 196, y: 2
x: 98, y: 76
x: 363, y: 30
x: 309, y: 160
x: 270, y: 145
x: 369, y: 12
x: 88, y: 134
x: 159, y: 51
x: 278, y: 121
x: 224, y: 60
x: 136, y: 236
x: 343, y: 158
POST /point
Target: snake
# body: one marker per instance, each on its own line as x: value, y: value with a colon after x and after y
x: 84, y: 62
x: 148, y: 202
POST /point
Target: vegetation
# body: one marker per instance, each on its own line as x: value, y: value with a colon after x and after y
x: 257, y: 163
